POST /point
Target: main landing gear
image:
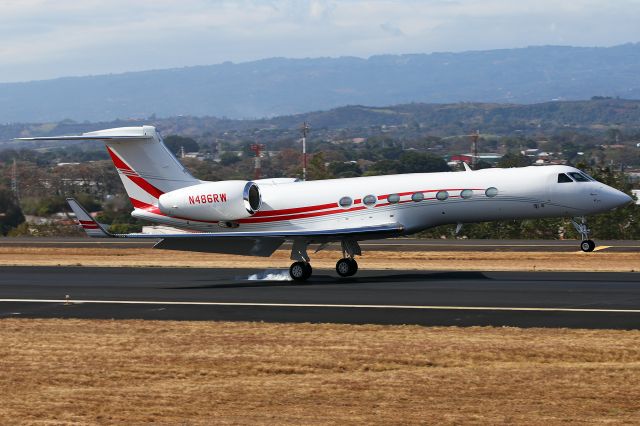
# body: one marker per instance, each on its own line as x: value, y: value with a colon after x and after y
x: 586, y: 245
x: 346, y: 267
x: 301, y: 270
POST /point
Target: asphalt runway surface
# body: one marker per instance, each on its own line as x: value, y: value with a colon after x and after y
x: 392, y: 244
x: 520, y: 299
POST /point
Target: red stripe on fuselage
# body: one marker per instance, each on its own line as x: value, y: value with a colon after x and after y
x: 144, y: 206
x: 263, y: 213
x: 282, y: 212
x: 294, y: 213
x: 298, y: 216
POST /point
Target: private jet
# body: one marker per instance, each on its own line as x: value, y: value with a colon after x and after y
x: 255, y: 217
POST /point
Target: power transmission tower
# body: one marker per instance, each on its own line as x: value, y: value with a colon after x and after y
x: 305, y: 130
x: 257, y: 148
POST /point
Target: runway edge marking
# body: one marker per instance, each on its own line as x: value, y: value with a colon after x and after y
x: 315, y: 305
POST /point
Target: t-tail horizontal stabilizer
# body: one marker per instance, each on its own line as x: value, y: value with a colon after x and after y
x: 89, y: 224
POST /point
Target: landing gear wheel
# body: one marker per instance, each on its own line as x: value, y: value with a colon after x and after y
x: 346, y: 267
x: 587, y: 245
x: 300, y: 271
x: 354, y: 266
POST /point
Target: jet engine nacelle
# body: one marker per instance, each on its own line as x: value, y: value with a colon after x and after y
x: 213, y: 201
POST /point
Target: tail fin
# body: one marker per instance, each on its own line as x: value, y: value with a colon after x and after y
x: 89, y: 224
x: 145, y: 165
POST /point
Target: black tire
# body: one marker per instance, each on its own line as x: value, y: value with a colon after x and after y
x: 308, y: 270
x: 354, y: 267
x: 343, y: 267
x: 300, y: 271
x: 587, y: 245
x: 346, y: 267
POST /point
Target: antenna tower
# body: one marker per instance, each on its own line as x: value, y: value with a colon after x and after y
x: 474, y: 149
x: 305, y: 131
x: 257, y: 148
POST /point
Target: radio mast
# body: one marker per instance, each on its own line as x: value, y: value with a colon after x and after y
x: 257, y: 148
x: 474, y: 149
x: 305, y: 130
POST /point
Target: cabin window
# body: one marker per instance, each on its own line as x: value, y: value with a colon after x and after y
x: 393, y: 198
x: 491, y: 192
x: 442, y: 195
x: 562, y: 178
x: 345, y: 202
x: 417, y: 196
x: 578, y: 177
x: 466, y: 193
x: 369, y: 200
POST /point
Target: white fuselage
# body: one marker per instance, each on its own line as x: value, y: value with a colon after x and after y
x: 489, y: 194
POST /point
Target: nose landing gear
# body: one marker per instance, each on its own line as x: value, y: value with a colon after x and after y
x: 586, y: 245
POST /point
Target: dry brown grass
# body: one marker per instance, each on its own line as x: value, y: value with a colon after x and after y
x: 132, y: 372
x: 442, y: 260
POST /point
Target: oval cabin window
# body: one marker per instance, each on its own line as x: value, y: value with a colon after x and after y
x: 442, y: 195
x: 345, y: 202
x: 369, y: 200
x: 466, y: 193
x: 417, y: 197
x: 491, y: 192
x: 393, y: 198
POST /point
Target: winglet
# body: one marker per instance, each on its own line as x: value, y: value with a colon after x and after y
x: 466, y: 167
x: 89, y: 224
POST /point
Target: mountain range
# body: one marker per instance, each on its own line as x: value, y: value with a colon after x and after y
x: 280, y: 86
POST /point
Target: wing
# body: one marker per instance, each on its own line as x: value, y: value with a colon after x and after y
x: 253, y: 243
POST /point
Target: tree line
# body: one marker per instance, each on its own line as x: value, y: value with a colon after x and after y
x: 44, y: 183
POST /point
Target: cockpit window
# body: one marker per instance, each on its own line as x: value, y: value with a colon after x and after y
x: 578, y: 177
x: 588, y: 177
x: 562, y: 178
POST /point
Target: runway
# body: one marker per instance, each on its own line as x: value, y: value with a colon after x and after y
x: 392, y: 244
x: 520, y: 299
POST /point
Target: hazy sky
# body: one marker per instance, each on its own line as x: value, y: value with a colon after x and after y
x: 42, y: 39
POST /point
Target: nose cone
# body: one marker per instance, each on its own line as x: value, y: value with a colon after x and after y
x: 615, y: 198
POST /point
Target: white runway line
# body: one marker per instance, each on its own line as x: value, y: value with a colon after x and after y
x: 314, y: 305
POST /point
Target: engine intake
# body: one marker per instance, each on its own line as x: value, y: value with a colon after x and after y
x: 213, y: 201
x: 252, y: 199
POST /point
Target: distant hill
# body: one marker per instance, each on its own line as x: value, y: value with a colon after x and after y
x: 274, y: 87
x: 594, y: 116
